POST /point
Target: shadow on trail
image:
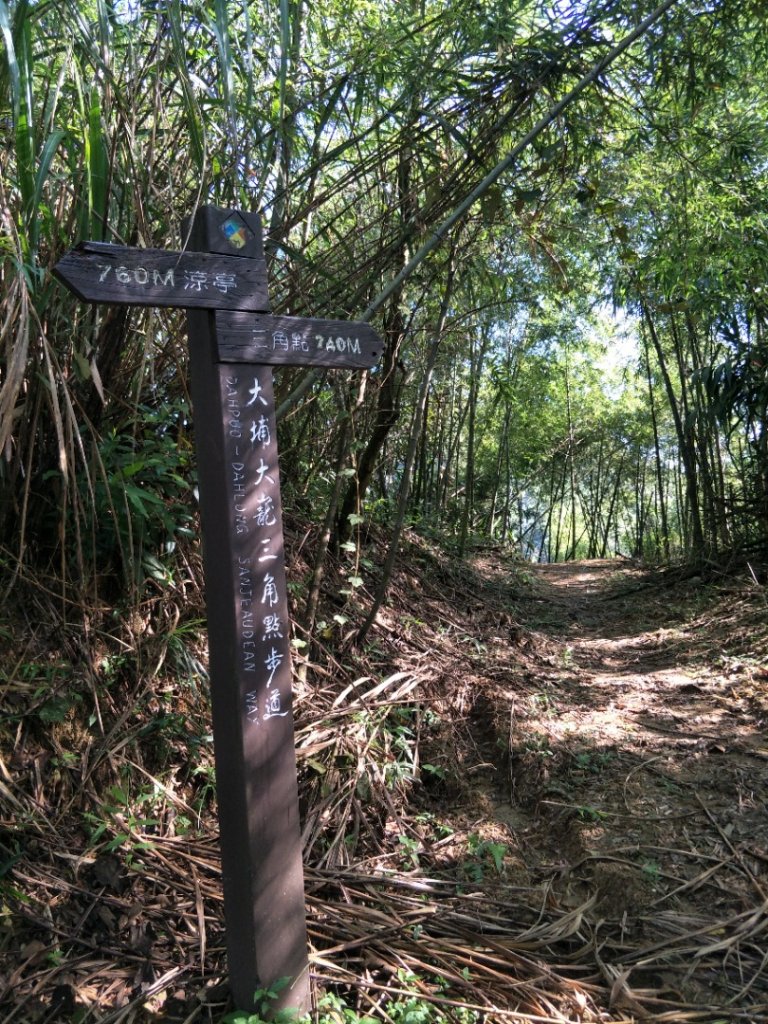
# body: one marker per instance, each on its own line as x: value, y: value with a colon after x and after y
x: 629, y: 771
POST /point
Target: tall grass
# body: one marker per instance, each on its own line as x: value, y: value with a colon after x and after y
x: 103, y: 139
x: 355, y: 129
x: 114, y: 129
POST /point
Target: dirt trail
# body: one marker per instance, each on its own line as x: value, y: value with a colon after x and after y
x: 637, y: 667
x: 564, y: 816
x: 627, y: 770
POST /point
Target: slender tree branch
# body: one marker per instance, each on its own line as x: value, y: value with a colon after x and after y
x: 440, y: 232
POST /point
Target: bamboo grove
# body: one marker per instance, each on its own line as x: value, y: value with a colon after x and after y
x: 553, y: 213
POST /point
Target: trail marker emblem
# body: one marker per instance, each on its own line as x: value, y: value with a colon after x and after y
x: 236, y: 231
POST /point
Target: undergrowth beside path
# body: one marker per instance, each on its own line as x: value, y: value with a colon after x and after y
x: 536, y: 794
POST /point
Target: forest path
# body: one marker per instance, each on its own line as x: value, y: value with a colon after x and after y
x: 562, y: 813
x: 638, y: 661
x: 619, y: 718
x: 623, y: 664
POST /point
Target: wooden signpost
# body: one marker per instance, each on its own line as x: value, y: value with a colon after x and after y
x: 220, y: 278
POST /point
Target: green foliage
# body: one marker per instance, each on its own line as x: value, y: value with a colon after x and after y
x: 333, y: 1009
x: 142, y: 490
x: 359, y: 129
x: 593, y: 762
x: 588, y: 813
x: 403, y: 1009
x: 482, y: 855
x: 409, y: 851
x: 651, y: 870
x: 121, y: 821
x: 264, y: 1009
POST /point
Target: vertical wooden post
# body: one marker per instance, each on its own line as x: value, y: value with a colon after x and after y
x: 248, y: 630
x: 221, y: 280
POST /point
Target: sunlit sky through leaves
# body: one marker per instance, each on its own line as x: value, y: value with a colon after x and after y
x: 127, y: 11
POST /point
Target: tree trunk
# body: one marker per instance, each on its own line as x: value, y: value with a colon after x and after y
x: 657, y: 452
x: 685, y: 442
x: 417, y: 424
x: 387, y: 415
x: 475, y: 369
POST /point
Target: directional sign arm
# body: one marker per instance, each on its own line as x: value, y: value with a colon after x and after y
x: 120, y: 275
x: 296, y: 341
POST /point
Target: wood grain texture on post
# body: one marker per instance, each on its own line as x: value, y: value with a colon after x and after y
x: 248, y: 624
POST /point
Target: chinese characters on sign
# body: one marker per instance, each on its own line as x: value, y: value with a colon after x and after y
x: 189, y: 280
x: 256, y: 521
x: 101, y: 272
x: 221, y: 269
x: 297, y: 341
